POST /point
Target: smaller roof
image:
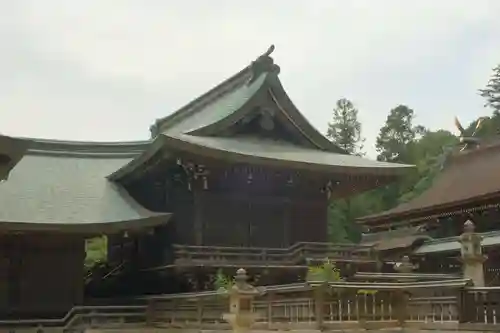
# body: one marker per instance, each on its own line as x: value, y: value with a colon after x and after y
x: 370, y: 276
x: 451, y: 244
x: 469, y: 176
x: 61, y: 186
x: 395, y: 239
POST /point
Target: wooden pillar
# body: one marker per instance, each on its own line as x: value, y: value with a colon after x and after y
x: 14, y: 278
x: 286, y: 223
x: 198, y: 216
x: 249, y: 241
x: 467, y: 306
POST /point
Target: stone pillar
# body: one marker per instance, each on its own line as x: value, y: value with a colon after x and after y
x: 241, y: 316
x: 402, y: 297
x: 472, y: 256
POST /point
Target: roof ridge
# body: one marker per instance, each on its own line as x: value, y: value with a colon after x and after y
x: 85, y: 148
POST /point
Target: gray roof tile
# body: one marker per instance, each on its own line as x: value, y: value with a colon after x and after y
x: 268, y: 150
x: 67, y: 190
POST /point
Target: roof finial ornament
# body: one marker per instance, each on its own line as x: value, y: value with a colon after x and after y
x: 263, y: 64
x: 269, y: 51
x: 469, y: 140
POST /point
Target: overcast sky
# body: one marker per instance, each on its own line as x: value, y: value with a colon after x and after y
x: 104, y: 70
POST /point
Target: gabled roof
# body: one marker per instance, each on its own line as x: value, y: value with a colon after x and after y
x: 233, y: 99
x: 471, y: 176
x: 202, y: 127
x: 62, y: 186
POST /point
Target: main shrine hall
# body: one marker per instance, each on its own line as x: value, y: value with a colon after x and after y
x: 238, y: 176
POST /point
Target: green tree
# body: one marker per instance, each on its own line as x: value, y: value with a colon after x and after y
x: 490, y: 126
x: 429, y: 155
x: 345, y: 129
x: 396, y: 143
x: 396, y: 138
x: 492, y: 91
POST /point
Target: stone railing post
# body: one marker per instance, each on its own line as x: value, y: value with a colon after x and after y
x: 403, y: 296
x: 471, y: 254
x: 319, y: 304
x: 241, y: 295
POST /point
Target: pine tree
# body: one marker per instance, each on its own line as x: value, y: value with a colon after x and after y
x: 345, y: 129
x: 492, y: 91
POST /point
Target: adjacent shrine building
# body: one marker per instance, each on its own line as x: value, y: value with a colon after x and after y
x: 236, y: 177
x: 468, y: 188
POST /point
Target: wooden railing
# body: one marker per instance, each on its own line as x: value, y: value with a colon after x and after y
x: 296, y: 306
x: 481, y: 305
x: 79, y: 318
x: 294, y: 255
x: 342, y: 305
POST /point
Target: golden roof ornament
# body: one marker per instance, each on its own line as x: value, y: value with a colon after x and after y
x: 472, y: 139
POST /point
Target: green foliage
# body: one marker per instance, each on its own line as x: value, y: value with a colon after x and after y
x: 396, y: 138
x: 345, y: 129
x: 341, y: 216
x: 326, y: 272
x: 491, y: 93
x: 489, y: 127
x: 429, y: 154
x: 96, y: 250
x: 222, y: 281
x: 400, y: 140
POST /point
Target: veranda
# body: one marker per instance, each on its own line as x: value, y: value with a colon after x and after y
x: 366, y: 301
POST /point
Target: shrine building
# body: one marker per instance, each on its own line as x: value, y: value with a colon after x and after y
x: 237, y: 177
x: 427, y: 227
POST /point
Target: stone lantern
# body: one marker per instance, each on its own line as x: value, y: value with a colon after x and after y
x: 241, y: 295
x: 472, y: 257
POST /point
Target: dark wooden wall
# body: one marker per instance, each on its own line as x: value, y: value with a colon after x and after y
x: 43, y: 274
x: 236, y: 219
x: 241, y: 220
x: 273, y: 208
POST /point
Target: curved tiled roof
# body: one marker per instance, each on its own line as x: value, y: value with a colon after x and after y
x: 469, y: 176
x: 63, y: 186
x: 197, y: 127
x: 69, y: 184
x: 273, y: 152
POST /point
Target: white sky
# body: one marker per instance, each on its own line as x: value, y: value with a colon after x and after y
x: 103, y: 70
